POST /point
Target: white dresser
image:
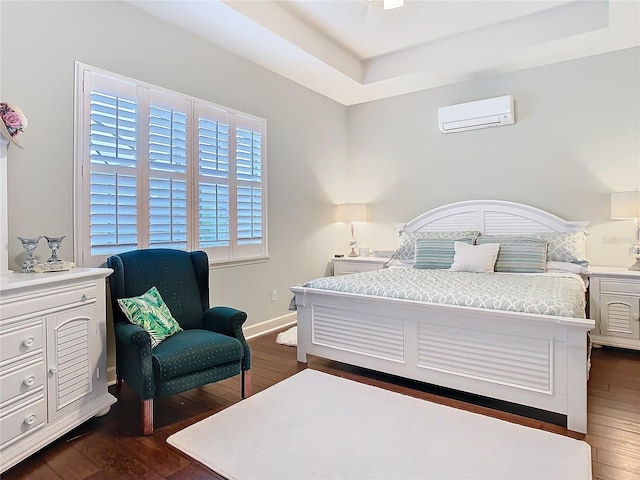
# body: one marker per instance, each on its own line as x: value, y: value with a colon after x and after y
x: 53, y: 354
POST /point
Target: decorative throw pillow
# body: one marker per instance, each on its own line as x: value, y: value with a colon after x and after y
x: 562, y: 267
x: 518, y: 254
x: 474, y: 258
x: 151, y: 313
x: 565, y: 247
x: 436, y: 253
x: 407, y: 248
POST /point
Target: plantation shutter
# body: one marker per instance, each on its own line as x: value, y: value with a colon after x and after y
x: 159, y: 169
x: 167, y: 173
x: 113, y: 141
x: 249, y: 175
x: 213, y: 182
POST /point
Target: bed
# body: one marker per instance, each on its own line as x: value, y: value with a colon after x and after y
x: 537, y: 357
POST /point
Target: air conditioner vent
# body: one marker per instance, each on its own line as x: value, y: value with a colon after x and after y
x: 492, y: 112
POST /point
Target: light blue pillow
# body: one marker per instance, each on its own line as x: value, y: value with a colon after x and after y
x: 407, y: 249
x: 518, y: 254
x: 436, y: 253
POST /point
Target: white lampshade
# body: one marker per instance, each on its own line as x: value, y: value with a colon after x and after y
x: 351, y: 212
x: 625, y: 205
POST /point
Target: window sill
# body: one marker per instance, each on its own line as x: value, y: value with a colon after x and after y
x: 237, y: 262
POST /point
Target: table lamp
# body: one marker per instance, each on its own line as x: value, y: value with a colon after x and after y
x: 626, y: 205
x: 351, y: 213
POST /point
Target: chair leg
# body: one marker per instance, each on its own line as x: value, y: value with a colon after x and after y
x: 147, y: 416
x: 246, y: 383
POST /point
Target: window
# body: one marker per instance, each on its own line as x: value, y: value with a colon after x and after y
x: 160, y: 169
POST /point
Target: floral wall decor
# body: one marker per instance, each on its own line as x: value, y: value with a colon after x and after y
x: 13, y: 122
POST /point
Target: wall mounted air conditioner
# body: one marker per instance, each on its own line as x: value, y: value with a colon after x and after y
x: 492, y: 112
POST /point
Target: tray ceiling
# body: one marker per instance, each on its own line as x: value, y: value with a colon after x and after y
x: 353, y: 51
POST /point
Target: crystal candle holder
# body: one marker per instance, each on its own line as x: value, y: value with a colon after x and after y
x: 29, y: 245
x: 54, y: 244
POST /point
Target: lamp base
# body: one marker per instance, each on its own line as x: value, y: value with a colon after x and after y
x: 635, y: 266
x: 353, y: 253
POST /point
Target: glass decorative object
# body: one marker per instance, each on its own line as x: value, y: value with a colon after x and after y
x: 29, y: 245
x: 54, y: 245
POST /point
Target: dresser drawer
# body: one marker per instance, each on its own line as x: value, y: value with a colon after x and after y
x: 345, y: 267
x: 22, y: 421
x: 22, y: 381
x: 32, y: 302
x: 21, y: 340
x: 619, y: 286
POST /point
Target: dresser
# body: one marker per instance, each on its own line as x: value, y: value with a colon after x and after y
x: 614, y: 304
x: 52, y: 357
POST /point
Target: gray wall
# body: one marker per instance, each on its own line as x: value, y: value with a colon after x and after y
x: 306, y: 134
x: 576, y: 139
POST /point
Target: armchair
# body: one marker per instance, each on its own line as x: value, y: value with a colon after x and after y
x: 211, y: 346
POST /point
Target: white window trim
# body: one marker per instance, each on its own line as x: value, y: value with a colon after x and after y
x: 81, y: 197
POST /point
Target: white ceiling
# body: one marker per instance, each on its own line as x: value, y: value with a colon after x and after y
x: 353, y: 51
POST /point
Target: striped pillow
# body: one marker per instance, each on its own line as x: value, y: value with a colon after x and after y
x: 518, y: 254
x: 436, y: 253
x: 407, y: 249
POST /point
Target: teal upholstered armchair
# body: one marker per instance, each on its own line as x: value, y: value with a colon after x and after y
x: 211, y: 346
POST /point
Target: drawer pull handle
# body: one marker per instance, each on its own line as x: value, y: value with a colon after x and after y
x: 54, y: 369
x: 30, y: 380
x: 28, y: 342
x: 86, y: 296
x: 31, y: 419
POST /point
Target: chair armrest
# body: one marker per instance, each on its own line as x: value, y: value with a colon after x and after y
x: 133, y: 335
x: 133, y: 359
x: 228, y: 321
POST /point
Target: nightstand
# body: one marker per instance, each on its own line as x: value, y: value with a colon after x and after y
x: 346, y: 265
x: 614, y: 304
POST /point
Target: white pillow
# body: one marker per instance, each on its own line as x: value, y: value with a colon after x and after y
x: 474, y: 258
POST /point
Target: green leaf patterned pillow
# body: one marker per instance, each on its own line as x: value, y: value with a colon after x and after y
x: 151, y: 313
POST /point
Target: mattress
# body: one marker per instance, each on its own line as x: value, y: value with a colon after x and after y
x: 560, y: 294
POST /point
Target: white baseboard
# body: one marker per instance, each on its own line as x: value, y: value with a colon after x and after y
x: 270, y: 325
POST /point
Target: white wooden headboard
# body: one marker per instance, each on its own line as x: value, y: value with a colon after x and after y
x: 491, y: 217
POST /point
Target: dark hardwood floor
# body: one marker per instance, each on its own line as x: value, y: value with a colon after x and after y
x: 111, y: 447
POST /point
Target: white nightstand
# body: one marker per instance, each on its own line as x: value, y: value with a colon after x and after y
x: 345, y: 265
x: 614, y: 304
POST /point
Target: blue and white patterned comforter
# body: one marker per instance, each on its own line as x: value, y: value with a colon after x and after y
x: 561, y: 294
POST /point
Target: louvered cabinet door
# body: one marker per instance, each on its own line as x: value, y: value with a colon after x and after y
x: 71, y: 362
x: 619, y: 316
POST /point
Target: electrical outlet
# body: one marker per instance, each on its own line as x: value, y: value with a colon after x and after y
x: 274, y: 295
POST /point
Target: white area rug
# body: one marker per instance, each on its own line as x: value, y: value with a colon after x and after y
x: 288, y: 337
x: 318, y: 426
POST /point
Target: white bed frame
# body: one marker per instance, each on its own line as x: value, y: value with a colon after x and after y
x: 534, y: 360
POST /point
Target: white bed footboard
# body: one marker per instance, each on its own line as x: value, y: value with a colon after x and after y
x: 534, y: 360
